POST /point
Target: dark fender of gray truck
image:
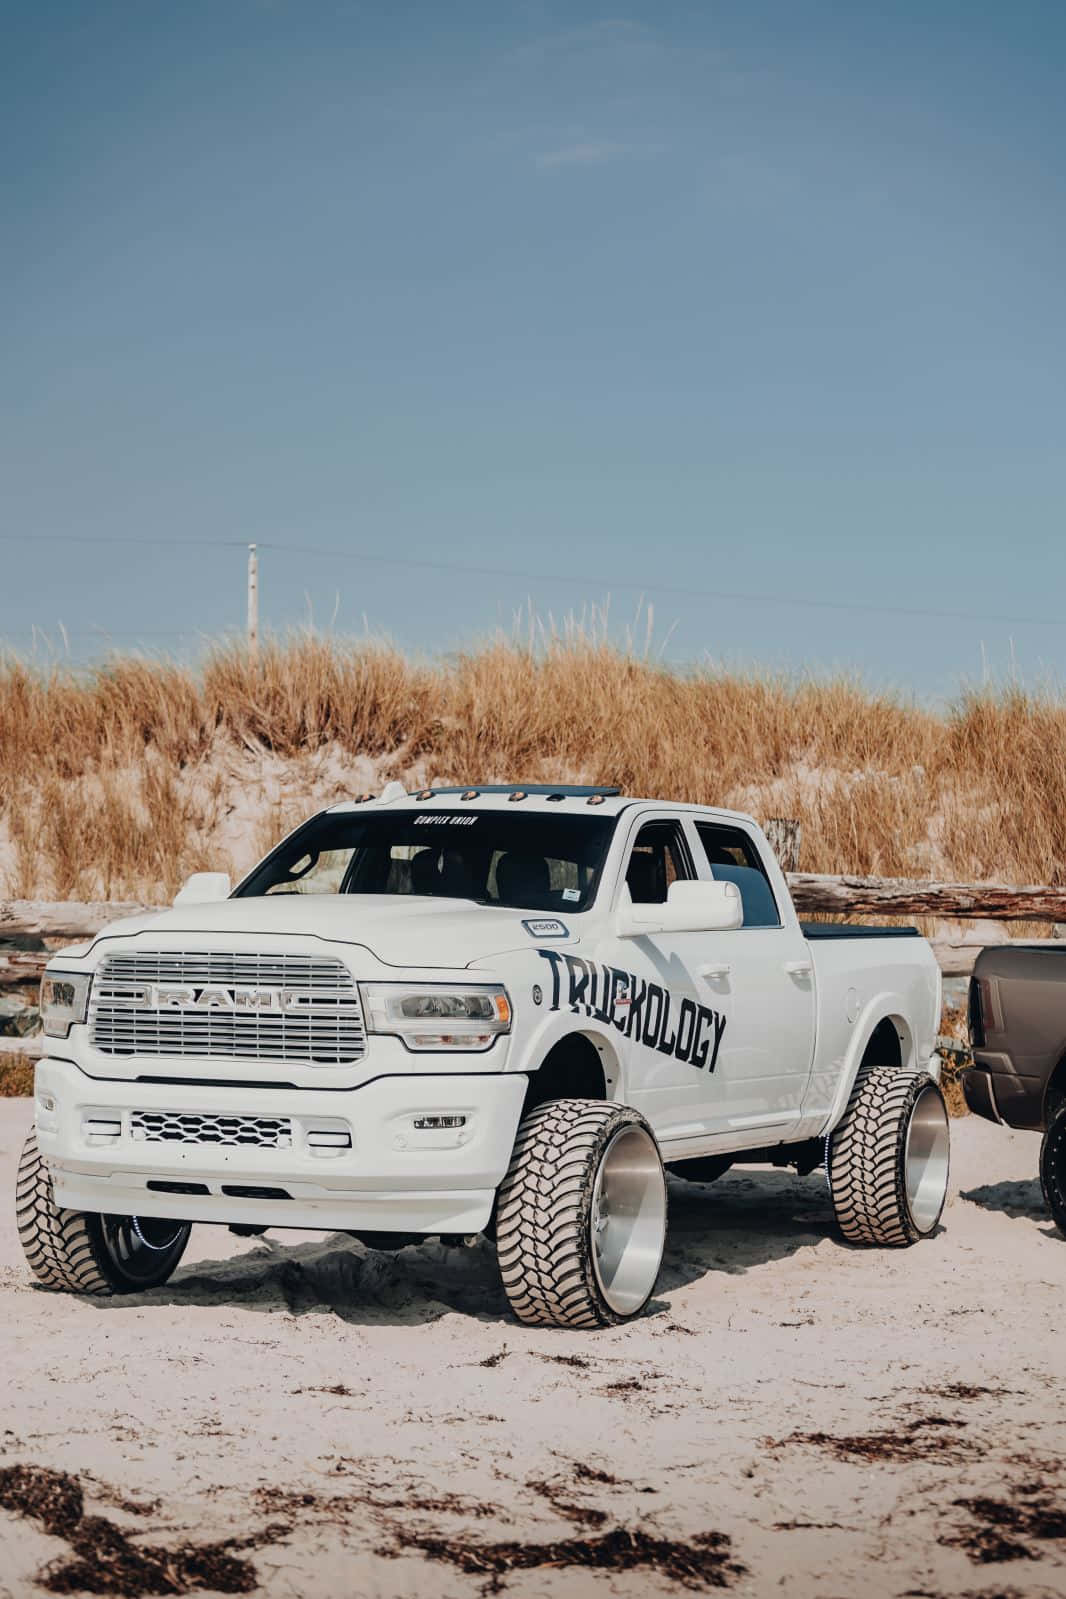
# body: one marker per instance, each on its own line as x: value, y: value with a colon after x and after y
x: 1018, y: 1033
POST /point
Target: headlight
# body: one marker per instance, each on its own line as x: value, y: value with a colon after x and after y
x: 64, y: 1001
x: 437, y: 1015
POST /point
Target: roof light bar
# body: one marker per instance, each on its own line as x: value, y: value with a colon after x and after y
x: 550, y: 790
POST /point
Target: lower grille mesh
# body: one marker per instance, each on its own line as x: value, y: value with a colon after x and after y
x: 174, y: 1127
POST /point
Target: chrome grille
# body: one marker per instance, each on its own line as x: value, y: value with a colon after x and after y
x: 173, y: 1127
x: 325, y: 1029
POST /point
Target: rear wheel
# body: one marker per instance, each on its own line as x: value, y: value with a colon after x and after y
x: 88, y: 1254
x: 1053, y: 1168
x: 887, y: 1160
x: 581, y: 1217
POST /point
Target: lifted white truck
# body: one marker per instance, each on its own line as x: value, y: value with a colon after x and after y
x: 496, y: 1010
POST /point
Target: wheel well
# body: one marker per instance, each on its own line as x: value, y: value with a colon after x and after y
x: 572, y: 1069
x: 884, y: 1048
x: 1055, y: 1093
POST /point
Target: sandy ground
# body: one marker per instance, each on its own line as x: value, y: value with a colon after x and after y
x: 853, y: 1422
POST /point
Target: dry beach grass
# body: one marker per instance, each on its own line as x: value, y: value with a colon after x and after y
x: 119, y: 781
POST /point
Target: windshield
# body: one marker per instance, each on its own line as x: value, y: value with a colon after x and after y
x: 528, y: 862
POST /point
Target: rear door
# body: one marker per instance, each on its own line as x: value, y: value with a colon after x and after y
x: 761, y: 977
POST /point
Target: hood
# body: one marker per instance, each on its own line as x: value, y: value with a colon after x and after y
x: 398, y: 931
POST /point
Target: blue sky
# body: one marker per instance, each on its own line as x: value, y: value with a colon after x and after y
x: 757, y: 304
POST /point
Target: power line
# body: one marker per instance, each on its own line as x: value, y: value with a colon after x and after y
x: 670, y: 588
x: 114, y: 538
x: 734, y: 596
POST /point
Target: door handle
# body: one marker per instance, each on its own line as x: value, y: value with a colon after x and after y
x: 721, y: 970
x: 798, y: 968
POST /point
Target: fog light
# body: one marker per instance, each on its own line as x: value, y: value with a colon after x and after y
x: 438, y: 1123
x: 102, y: 1130
x: 47, y: 1103
x: 328, y: 1140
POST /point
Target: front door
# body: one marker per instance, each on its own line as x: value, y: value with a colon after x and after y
x: 673, y: 1024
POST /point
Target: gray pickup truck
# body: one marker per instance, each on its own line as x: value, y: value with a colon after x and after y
x: 1018, y: 1033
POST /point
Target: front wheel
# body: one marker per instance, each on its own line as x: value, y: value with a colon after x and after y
x: 581, y: 1215
x: 887, y: 1159
x: 1053, y: 1168
x: 83, y: 1253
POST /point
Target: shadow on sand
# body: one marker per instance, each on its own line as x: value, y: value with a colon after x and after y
x: 746, y: 1219
x: 1011, y: 1198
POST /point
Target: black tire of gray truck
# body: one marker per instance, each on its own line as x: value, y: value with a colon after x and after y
x: 887, y: 1159
x: 1053, y: 1167
x: 581, y: 1215
x: 79, y: 1252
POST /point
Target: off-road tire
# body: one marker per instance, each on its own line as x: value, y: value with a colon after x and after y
x: 69, y: 1249
x: 865, y: 1158
x: 544, y: 1214
x: 1053, y: 1168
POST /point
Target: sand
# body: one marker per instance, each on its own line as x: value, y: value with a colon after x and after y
x: 851, y: 1422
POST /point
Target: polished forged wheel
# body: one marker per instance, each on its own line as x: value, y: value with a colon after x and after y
x: 581, y: 1217
x: 88, y: 1254
x: 1053, y: 1168
x: 887, y: 1160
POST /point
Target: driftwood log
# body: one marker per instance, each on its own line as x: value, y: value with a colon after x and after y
x: 900, y: 896
x: 22, y: 966
x: 22, y: 1048
x: 813, y: 893
x: 784, y: 835
x: 61, y: 919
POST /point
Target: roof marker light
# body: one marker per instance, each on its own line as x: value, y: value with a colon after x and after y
x: 470, y: 793
x: 519, y: 794
x: 425, y: 793
x: 595, y: 799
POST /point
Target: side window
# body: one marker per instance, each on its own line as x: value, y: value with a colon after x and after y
x: 733, y: 858
x: 660, y: 856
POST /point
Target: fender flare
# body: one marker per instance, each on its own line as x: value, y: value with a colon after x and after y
x: 887, y: 1006
x: 552, y: 1029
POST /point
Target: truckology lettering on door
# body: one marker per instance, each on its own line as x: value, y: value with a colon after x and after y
x: 640, y: 1010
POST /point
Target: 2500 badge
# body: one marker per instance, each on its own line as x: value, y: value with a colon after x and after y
x: 641, y: 1010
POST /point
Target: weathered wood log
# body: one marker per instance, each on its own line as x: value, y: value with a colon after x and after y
x: 900, y: 896
x: 65, y: 919
x: 813, y: 893
x: 26, y: 1048
x: 785, y: 836
x: 22, y: 966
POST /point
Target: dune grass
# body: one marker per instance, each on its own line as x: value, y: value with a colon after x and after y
x: 117, y: 782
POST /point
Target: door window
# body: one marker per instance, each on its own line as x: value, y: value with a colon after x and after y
x: 733, y: 858
x: 660, y: 857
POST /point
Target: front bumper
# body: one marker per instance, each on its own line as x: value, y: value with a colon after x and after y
x: 393, y: 1178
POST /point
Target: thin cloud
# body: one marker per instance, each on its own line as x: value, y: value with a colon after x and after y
x: 610, y: 33
x: 591, y: 153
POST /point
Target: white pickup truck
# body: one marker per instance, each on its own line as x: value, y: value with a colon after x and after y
x: 495, y: 1010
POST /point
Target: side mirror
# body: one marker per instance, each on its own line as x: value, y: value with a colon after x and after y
x: 203, y: 888
x: 690, y: 908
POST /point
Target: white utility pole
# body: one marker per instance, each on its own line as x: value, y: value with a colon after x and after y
x: 253, y: 601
